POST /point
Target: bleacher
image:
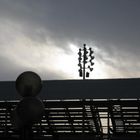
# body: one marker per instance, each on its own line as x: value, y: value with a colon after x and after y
x: 79, y: 119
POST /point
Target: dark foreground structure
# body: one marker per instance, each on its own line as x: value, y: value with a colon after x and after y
x: 108, y: 109
x: 90, y: 119
x: 75, y: 89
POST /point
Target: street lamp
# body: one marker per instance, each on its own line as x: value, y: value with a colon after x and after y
x: 85, y: 61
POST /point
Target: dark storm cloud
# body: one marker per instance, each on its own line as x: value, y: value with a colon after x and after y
x: 109, y: 21
x: 114, y: 26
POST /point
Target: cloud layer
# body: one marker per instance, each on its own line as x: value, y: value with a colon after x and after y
x: 39, y: 35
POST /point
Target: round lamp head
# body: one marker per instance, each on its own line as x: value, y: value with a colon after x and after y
x: 28, y: 84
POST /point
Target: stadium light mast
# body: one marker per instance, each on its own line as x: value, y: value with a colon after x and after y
x: 85, y: 61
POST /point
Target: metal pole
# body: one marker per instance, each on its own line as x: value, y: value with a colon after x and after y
x: 84, y: 62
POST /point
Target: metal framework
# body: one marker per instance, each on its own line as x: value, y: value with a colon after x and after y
x: 85, y: 61
x: 91, y: 118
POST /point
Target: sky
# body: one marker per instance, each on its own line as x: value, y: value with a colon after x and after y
x: 44, y: 36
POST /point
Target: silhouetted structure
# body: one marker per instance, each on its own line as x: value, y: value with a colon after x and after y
x: 30, y: 109
x: 75, y: 89
x: 79, y: 119
x: 114, y: 119
x: 85, y: 61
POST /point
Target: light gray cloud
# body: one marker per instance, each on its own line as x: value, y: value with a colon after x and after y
x: 112, y: 26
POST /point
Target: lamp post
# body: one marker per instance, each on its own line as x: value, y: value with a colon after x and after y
x: 30, y: 109
x: 85, y: 61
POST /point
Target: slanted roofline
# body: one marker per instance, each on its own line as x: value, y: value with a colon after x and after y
x: 79, y: 89
x: 97, y: 88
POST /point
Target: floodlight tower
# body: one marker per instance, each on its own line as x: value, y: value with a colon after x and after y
x: 85, y: 61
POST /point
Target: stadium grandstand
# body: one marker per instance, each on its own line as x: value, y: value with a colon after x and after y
x: 67, y: 117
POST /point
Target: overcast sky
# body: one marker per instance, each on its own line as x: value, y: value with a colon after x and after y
x: 44, y: 36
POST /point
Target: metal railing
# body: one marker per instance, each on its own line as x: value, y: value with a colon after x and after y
x: 100, y: 118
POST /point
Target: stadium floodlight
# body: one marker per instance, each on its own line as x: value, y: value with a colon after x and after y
x: 85, y: 61
x: 91, y: 63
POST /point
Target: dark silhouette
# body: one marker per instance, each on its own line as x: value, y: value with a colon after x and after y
x: 30, y: 109
x: 98, y: 119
